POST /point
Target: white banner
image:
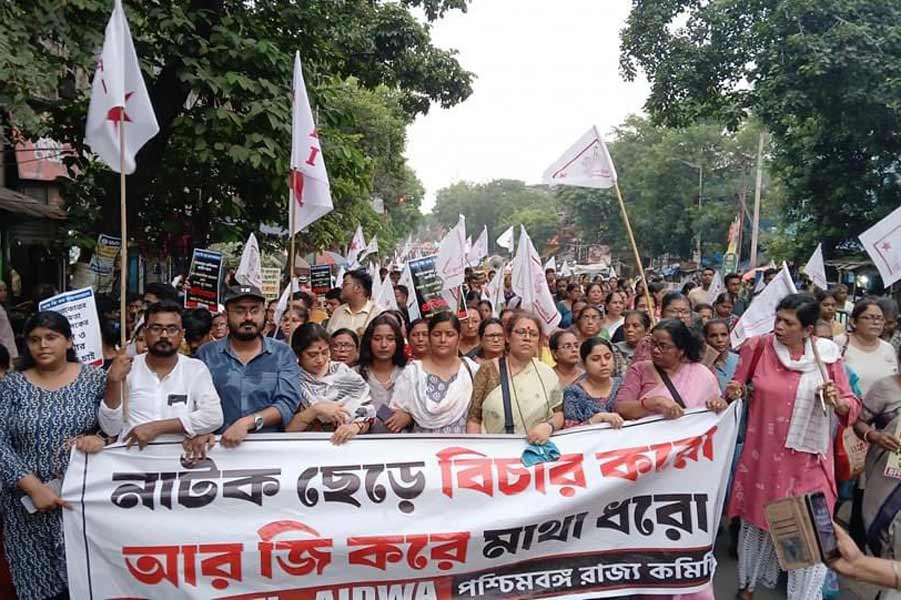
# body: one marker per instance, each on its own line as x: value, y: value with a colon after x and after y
x: 621, y: 512
x: 80, y: 309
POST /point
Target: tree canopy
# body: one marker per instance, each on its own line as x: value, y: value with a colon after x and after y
x: 219, y: 75
x: 824, y: 77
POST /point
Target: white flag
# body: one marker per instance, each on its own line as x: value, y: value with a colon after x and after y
x: 308, y: 182
x: 450, y: 263
x: 406, y: 280
x: 761, y: 315
x: 479, y: 249
x: 882, y: 242
x: 530, y: 284
x: 716, y: 288
x: 494, y: 291
x: 506, y: 239
x: 119, y: 96
x: 587, y: 163
x: 371, y: 248
x: 356, y: 247
x: 816, y: 268
x: 283, y: 301
x: 551, y: 264
x: 566, y: 270
x: 339, y: 278
x: 250, y: 270
x: 385, y: 298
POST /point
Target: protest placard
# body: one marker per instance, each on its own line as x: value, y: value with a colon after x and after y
x: 103, y: 262
x: 272, y: 277
x: 320, y: 279
x: 427, y: 286
x: 204, y: 275
x: 80, y: 310
x: 622, y: 512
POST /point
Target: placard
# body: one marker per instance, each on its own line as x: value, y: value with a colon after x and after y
x: 80, y: 310
x: 320, y: 279
x: 622, y: 512
x: 204, y: 275
x: 272, y: 277
x: 103, y: 261
x: 427, y: 286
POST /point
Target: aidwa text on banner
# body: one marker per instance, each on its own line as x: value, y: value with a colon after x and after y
x: 622, y: 512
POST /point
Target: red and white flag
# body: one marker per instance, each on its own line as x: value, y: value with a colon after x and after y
x: 882, y: 242
x: 310, y: 191
x: 119, y: 98
x: 587, y: 163
x: 450, y: 264
x: 357, y: 244
x: 479, y: 249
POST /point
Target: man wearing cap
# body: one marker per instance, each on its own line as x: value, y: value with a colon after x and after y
x: 357, y: 309
x: 257, y: 378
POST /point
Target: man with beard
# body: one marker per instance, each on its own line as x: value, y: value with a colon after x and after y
x: 166, y: 391
x: 257, y: 377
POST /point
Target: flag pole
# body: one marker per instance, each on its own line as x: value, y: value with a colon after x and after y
x: 123, y: 256
x: 291, y: 243
x: 644, y: 280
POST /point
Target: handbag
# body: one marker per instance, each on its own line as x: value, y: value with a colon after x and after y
x: 505, y: 395
x: 850, y: 450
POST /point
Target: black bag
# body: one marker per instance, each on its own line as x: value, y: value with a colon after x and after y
x: 505, y: 394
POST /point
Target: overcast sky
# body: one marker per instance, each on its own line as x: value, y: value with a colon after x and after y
x: 545, y: 72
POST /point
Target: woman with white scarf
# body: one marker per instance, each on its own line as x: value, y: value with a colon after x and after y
x: 790, y: 434
x: 433, y: 394
x: 334, y: 397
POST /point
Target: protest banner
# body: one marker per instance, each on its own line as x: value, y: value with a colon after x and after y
x: 427, y: 286
x: 204, y: 275
x: 80, y: 310
x: 103, y: 262
x: 621, y: 512
x: 272, y: 277
x: 320, y: 279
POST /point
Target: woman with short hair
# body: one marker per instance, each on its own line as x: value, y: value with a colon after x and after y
x: 334, y: 397
x: 344, y: 346
x: 564, y: 346
x: 494, y: 340
x: 614, y: 306
x: 535, y: 396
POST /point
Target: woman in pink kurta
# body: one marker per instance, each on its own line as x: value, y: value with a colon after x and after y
x: 778, y: 460
x: 675, y: 354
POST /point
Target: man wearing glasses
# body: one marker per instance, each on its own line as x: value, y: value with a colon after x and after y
x: 166, y: 392
x: 257, y: 377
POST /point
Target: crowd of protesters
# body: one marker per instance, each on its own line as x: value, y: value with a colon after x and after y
x: 349, y: 367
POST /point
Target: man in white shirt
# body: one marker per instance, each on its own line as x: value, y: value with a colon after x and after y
x: 698, y: 295
x: 166, y: 392
x: 358, y: 308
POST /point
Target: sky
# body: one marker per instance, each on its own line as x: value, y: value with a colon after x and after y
x: 545, y: 72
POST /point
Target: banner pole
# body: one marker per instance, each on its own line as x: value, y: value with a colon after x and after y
x: 290, y: 268
x: 123, y: 257
x: 644, y: 280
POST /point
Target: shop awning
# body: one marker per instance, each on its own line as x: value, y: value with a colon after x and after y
x: 20, y: 204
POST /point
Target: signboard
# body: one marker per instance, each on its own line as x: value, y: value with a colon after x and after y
x: 730, y: 262
x: 42, y: 160
x: 622, y: 512
x: 80, y: 310
x: 427, y: 286
x: 204, y: 275
x: 320, y: 279
x: 272, y: 277
x: 103, y: 262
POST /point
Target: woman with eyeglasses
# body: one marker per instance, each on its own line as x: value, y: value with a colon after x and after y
x: 46, y: 406
x: 565, y: 348
x: 433, y: 394
x: 532, y: 388
x: 870, y: 357
x: 494, y: 341
x: 589, y: 323
x: 334, y: 397
x: 345, y: 347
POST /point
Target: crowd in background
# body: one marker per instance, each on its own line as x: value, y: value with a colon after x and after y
x: 346, y: 366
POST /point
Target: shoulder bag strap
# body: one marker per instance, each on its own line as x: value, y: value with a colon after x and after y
x: 505, y: 394
x: 669, y: 385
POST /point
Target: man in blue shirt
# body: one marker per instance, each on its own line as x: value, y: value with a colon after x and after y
x: 257, y: 378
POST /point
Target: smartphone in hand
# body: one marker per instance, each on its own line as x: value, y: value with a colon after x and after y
x: 384, y: 413
x: 823, y: 526
x: 54, y: 484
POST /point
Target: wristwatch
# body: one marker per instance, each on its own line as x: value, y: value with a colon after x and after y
x: 258, y: 422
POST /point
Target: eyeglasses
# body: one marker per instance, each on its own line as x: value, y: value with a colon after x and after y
x: 526, y: 333
x: 873, y: 318
x: 159, y: 329
x: 663, y: 347
x: 493, y: 336
x: 344, y: 346
x: 569, y: 347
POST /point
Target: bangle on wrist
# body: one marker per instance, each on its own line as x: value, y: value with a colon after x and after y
x: 551, y: 423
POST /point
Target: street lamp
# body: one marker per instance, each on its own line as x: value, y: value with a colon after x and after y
x: 700, y: 169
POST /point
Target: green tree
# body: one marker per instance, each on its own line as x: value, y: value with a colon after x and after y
x: 658, y: 170
x: 497, y: 205
x: 824, y: 77
x: 219, y: 74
